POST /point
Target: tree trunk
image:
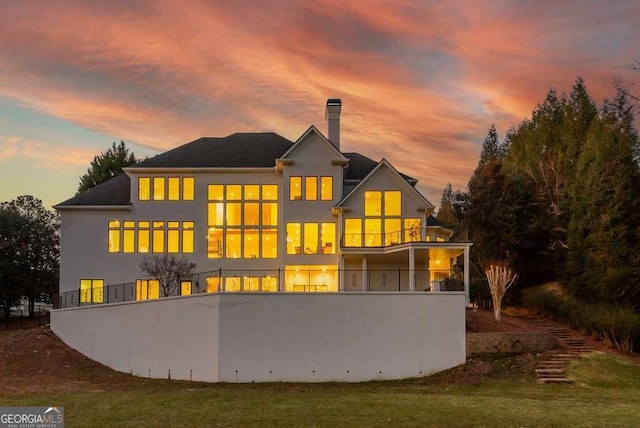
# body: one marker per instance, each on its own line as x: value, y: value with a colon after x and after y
x: 497, y: 311
x: 32, y: 307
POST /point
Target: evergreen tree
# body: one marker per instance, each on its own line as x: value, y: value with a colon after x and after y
x: 446, y: 213
x: 106, y: 165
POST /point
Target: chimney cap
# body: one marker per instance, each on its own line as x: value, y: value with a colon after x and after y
x: 334, y: 102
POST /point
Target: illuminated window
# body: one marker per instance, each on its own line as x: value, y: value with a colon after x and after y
x: 411, y: 230
x: 269, y: 192
x: 144, y: 188
x: 270, y: 243
x: 147, y: 289
x: 128, y: 237
x: 353, y: 232
x: 114, y: 236
x: 269, y: 214
x: 328, y: 238
x: 188, y: 186
x: 251, y: 283
x: 187, y: 237
x: 214, y: 243
x: 251, y: 214
x: 215, y: 192
x: 216, y: 214
x: 234, y: 192
x: 185, y: 288
x: 372, y: 232
x: 392, y: 231
x: 233, y: 242
x: 173, y: 236
x: 213, y: 284
x: 373, y: 203
x: 251, y: 243
x: 311, y: 188
x: 326, y: 188
x: 158, y: 188
x: 295, y: 188
x: 143, y: 237
x: 158, y: 237
x: 293, y: 238
x: 91, y: 290
x: 173, y: 184
x: 392, y: 203
x: 269, y: 283
x: 232, y: 284
x: 311, y: 238
x: 234, y: 214
x: 311, y: 278
x: 251, y: 192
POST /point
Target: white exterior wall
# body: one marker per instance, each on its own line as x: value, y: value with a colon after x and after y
x: 273, y: 337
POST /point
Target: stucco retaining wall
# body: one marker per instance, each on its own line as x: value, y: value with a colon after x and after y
x: 509, y: 343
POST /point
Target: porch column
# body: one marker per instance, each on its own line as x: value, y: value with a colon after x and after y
x: 412, y: 273
x: 365, y: 275
x: 341, y: 276
x: 467, y: 270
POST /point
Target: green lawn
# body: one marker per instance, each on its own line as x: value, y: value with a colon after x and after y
x: 607, y: 393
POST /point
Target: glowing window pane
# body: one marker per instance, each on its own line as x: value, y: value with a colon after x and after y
x: 214, y: 243
x: 293, y: 238
x: 173, y: 241
x: 173, y: 224
x: 328, y: 238
x: 128, y: 237
x: 232, y: 284
x: 233, y: 241
x: 251, y: 192
x: 251, y: 214
x: 187, y: 237
x: 158, y: 188
x: 158, y: 237
x: 311, y: 188
x: 147, y: 289
x: 373, y: 203
x: 411, y: 230
x: 114, y: 223
x: 213, y: 284
x: 216, y: 214
x: 185, y: 288
x: 251, y: 244
x: 270, y: 243
x: 270, y: 284
x: 188, y: 185
x: 372, y: 232
x: 174, y: 188
x: 143, y: 224
x: 326, y: 188
x: 86, y: 291
x: 234, y: 214
x: 295, y: 188
x: 215, y: 192
x: 234, y: 192
x: 251, y: 283
x: 114, y: 240
x: 269, y: 214
x: 352, y: 232
x: 129, y: 224
x: 270, y: 192
x: 144, y: 188
x: 392, y: 202
x: 311, y: 238
x: 143, y: 240
x: 392, y: 231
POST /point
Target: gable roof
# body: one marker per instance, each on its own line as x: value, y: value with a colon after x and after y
x: 304, y: 138
x: 239, y: 150
x: 360, y: 166
x: 115, y: 191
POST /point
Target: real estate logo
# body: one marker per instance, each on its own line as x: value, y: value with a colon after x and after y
x: 31, y: 417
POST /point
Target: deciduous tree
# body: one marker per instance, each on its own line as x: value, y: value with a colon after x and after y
x: 168, y: 270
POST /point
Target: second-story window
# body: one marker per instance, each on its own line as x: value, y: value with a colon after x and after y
x: 169, y: 189
x: 311, y: 187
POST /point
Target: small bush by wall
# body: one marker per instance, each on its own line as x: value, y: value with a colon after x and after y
x: 616, y: 325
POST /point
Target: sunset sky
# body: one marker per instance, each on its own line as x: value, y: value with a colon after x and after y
x: 420, y: 81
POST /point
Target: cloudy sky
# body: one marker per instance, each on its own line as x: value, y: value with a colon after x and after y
x: 420, y: 81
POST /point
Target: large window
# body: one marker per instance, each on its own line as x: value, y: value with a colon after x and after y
x: 147, y: 289
x: 170, y: 188
x: 326, y: 188
x: 242, y: 221
x: 311, y: 187
x: 147, y: 236
x: 91, y: 290
x: 311, y: 238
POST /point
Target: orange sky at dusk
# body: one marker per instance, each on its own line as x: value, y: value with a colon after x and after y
x: 420, y: 82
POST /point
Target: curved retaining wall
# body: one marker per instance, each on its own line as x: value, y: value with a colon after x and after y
x: 255, y: 337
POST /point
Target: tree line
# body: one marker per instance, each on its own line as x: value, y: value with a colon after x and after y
x: 559, y: 197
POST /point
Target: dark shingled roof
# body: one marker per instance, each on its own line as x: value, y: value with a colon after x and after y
x: 112, y: 192
x: 432, y: 221
x: 237, y: 150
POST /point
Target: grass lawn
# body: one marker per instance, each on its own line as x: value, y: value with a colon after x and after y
x: 606, y: 393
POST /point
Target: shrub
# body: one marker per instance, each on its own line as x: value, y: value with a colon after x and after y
x: 617, y: 325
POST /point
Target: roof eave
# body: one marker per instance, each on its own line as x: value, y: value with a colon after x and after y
x: 92, y: 207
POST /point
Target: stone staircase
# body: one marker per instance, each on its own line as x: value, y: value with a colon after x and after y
x: 552, y: 369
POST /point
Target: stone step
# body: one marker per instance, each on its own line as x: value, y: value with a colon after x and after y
x: 565, y: 355
x: 549, y: 371
x: 556, y: 380
x: 552, y: 365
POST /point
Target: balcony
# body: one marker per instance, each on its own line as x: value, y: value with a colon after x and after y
x: 375, y: 239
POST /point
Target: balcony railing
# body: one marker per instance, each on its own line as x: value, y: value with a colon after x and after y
x: 377, y: 239
x: 267, y: 281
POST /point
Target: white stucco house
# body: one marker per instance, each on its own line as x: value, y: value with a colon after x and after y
x: 313, y: 264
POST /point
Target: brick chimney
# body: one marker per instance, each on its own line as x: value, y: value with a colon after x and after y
x: 332, y: 114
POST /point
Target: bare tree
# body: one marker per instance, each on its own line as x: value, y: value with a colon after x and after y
x: 168, y: 270
x: 500, y: 278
